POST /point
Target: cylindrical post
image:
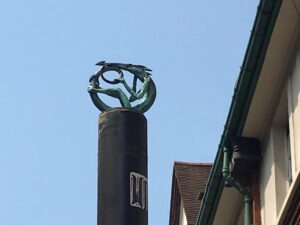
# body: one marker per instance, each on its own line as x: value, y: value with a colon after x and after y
x: 122, y: 168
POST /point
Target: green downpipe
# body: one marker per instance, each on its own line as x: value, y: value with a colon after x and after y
x: 231, y: 182
x: 248, y: 210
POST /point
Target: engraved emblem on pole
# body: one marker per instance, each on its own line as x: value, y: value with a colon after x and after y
x: 138, y: 191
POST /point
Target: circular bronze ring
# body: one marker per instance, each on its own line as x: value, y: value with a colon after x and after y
x: 115, y: 81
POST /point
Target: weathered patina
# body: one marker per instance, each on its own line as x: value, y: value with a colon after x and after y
x: 145, y: 96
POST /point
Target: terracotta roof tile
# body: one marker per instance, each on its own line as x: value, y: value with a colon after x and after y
x: 190, y: 180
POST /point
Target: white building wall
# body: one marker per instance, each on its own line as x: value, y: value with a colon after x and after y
x: 294, y: 113
x: 275, y: 186
x: 281, y: 178
x: 182, y: 218
x: 267, y: 185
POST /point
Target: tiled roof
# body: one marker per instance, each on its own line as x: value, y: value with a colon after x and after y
x: 189, y: 181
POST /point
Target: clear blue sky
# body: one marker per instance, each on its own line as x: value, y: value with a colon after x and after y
x: 48, y: 131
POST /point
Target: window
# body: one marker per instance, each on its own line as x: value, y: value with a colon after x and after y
x: 281, y: 148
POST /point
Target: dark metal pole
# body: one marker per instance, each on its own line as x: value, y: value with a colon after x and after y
x: 122, y: 168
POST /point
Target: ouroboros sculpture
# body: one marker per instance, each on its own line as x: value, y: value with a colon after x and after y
x: 147, y: 92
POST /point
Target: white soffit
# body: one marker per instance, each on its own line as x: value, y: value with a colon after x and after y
x: 274, y: 72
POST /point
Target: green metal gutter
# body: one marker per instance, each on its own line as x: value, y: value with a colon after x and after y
x: 255, y: 54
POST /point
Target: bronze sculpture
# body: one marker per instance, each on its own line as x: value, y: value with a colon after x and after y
x: 146, y: 94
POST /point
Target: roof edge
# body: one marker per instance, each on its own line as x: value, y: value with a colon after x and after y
x: 174, y: 201
x: 264, y: 23
x: 192, y: 163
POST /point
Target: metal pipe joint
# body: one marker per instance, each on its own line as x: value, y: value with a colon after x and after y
x: 230, y: 181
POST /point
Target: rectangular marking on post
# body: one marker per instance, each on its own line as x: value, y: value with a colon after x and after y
x: 138, y: 191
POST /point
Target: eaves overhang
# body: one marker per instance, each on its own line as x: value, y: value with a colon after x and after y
x: 243, y: 93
